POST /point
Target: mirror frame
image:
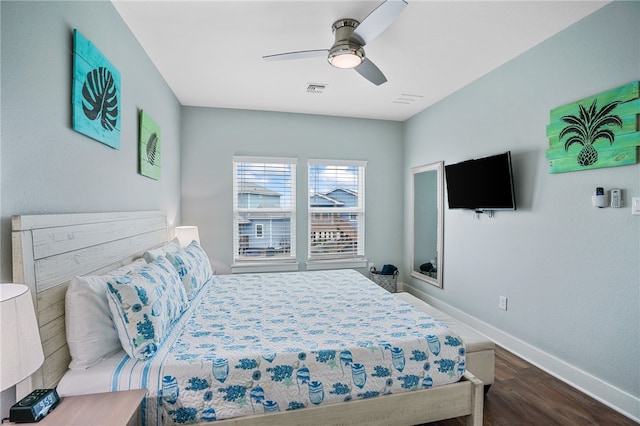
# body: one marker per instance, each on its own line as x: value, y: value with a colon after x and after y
x: 439, y: 168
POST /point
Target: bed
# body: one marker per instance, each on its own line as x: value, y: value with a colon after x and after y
x: 49, y: 250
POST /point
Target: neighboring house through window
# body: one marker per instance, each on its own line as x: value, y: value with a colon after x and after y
x: 336, y: 210
x: 264, y: 210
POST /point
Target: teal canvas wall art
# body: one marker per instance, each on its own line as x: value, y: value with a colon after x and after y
x: 150, y: 145
x: 95, y: 93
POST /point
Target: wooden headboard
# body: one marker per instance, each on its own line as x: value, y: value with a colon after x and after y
x: 49, y: 250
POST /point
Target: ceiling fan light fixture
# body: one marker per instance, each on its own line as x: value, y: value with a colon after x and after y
x: 350, y: 38
x: 346, y: 58
x: 345, y: 53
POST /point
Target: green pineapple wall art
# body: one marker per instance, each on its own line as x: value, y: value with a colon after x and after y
x: 599, y: 131
x: 589, y: 127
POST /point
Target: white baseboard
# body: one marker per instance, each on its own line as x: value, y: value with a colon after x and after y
x: 617, y: 399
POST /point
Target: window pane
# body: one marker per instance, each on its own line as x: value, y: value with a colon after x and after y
x: 264, y: 211
x: 333, y: 235
x: 333, y: 186
x: 263, y: 236
x: 336, y: 210
x: 264, y: 186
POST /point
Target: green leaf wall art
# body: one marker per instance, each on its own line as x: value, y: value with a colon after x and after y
x: 599, y: 131
x: 95, y: 93
x: 149, y: 147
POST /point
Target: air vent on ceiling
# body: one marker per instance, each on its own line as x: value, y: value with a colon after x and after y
x: 316, y: 88
x: 407, y: 99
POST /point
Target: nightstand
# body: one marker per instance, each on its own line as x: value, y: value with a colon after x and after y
x: 98, y: 409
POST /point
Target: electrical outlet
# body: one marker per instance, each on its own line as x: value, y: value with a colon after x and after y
x: 502, y: 303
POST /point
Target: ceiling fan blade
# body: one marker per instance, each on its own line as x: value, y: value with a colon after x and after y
x: 371, y: 72
x: 378, y: 20
x: 296, y: 55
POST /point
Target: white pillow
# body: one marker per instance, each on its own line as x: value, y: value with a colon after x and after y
x: 170, y: 247
x: 144, y: 305
x: 193, y: 266
x: 90, y: 332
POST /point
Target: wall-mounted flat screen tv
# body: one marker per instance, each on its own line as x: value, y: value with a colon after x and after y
x: 481, y: 184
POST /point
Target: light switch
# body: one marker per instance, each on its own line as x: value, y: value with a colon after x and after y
x: 635, y: 206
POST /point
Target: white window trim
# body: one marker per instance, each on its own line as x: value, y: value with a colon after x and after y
x: 242, y: 268
x: 356, y: 163
x: 316, y: 265
x: 266, y: 265
x: 266, y: 160
x: 358, y: 261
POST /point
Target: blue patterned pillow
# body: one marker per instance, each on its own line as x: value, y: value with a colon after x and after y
x: 193, y: 266
x: 176, y: 291
x: 183, y: 264
x: 143, y: 306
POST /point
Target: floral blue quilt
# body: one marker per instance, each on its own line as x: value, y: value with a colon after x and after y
x: 260, y: 343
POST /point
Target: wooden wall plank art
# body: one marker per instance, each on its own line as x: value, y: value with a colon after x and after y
x: 598, y: 131
x: 95, y: 93
x: 149, y: 147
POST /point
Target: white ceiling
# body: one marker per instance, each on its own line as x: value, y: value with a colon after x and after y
x: 210, y: 52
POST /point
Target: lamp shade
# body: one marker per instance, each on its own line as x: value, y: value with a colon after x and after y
x: 186, y: 234
x: 21, y: 348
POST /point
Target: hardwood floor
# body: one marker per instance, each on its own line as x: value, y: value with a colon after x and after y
x: 525, y: 395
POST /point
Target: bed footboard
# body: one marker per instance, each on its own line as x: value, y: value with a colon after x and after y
x: 462, y: 399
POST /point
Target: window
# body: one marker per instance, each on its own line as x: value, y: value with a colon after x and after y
x: 336, y: 210
x: 264, y: 209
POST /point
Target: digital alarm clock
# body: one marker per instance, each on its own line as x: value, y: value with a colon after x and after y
x: 33, y: 407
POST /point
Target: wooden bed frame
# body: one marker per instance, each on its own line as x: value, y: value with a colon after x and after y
x: 49, y: 250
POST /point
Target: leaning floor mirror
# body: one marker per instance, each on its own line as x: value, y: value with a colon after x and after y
x: 427, y: 223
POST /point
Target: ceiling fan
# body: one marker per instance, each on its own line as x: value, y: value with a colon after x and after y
x: 350, y: 38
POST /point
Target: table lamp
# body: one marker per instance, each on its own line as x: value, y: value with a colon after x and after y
x: 20, y: 342
x: 186, y: 234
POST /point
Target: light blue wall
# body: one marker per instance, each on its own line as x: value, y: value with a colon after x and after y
x: 570, y: 271
x: 211, y: 137
x: 46, y: 167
